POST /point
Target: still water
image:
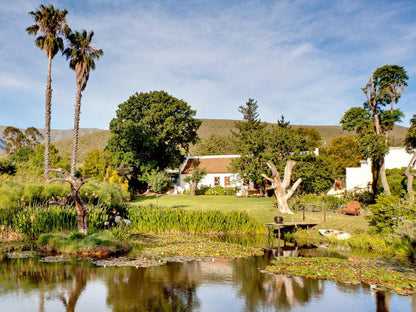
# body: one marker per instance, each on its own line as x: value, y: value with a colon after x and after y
x: 235, y: 285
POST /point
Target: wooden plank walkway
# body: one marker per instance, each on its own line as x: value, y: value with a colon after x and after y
x: 296, y: 225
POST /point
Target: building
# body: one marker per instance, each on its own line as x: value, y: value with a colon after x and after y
x: 218, y: 170
x: 361, y: 177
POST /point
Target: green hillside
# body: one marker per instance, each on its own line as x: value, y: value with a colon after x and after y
x: 99, y: 139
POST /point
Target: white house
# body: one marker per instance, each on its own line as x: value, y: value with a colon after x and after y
x: 218, y: 170
x: 360, y: 177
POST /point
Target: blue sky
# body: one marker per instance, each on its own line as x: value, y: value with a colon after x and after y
x: 304, y: 59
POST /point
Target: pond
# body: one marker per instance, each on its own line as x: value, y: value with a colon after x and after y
x: 220, y: 285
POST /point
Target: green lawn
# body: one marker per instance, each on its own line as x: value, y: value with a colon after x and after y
x: 260, y: 208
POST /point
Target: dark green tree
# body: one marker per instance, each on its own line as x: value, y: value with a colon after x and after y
x: 250, y: 143
x: 50, y: 23
x: 375, y: 120
x: 152, y: 130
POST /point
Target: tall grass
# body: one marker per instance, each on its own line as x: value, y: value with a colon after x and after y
x: 158, y: 220
x: 34, y: 221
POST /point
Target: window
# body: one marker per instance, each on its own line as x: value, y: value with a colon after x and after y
x: 216, y: 181
x: 226, y: 181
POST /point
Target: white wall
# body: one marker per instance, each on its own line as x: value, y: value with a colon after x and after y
x: 358, y: 177
x: 208, y: 180
x: 397, y: 158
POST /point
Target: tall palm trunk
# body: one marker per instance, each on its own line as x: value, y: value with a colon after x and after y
x: 76, y: 131
x: 48, y: 101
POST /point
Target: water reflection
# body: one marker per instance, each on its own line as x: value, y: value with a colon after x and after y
x: 31, y: 285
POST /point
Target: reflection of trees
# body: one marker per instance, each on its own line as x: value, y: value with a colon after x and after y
x: 75, y: 291
x: 31, y: 275
x: 167, y: 288
x: 259, y: 289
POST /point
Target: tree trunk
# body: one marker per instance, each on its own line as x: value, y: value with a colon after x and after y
x: 48, y: 101
x: 383, y: 178
x: 279, y: 187
x: 76, y: 132
x: 82, y: 211
x: 192, y: 188
x: 410, y: 177
x: 75, y: 184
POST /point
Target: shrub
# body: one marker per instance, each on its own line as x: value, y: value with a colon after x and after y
x: 387, y: 211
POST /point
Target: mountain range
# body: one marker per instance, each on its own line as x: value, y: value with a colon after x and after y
x: 92, y: 138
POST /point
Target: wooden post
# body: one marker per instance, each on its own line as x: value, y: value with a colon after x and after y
x: 303, y: 213
x: 323, y: 208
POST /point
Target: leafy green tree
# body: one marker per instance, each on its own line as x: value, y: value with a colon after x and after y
x: 158, y: 180
x: 50, y: 23
x: 32, y: 137
x: 33, y: 168
x: 376, y: 119
x: 215, y: 145
x: 312, y: 136
x: 194, y: 178
x: 96, y: 163
x: 315, y: 172
x: 14, y: 139
x: 343, y: 153
x: 23, y: 154
x: 250, y: 143
x: 82, y: 55
x: 152, y: 130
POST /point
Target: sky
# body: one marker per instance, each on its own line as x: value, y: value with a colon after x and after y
x: 304, y: 59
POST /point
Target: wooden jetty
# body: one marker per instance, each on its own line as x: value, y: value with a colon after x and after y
x: 279, y: 226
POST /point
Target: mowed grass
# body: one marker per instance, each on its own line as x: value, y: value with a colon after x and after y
x: 260, y: 208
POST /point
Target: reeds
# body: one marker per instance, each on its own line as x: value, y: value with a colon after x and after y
x: 159, y: 220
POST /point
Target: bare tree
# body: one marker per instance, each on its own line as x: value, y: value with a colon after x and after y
x: 279, y: 187
x: 75, y: 184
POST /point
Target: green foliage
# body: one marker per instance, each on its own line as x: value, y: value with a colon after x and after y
x: 220, y: 190
x: 74, y: 243
x: 315, y: 172
x: 22, y: 155
x: 250, y: 143
x: 34, y: 221
x: 34, y: 167
x: 387, y: 211
x: 343, y: 152
x: 158, y: 180
x: 313, y: 137
x: 327, y: 203
x: 410, y: 139
x: 158, y: 220
x: 196, y: 176
x: 397, y: 181
x: 15, y: 139
x: 95, y: 164
x: 151, y: 130
x: 7, y: 167
x: 215, y: 144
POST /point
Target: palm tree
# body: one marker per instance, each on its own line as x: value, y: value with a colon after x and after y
x: 50, y: 22
x: 81, y: 54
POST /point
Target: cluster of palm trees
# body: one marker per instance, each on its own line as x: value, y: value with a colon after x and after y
x: 52, y: 26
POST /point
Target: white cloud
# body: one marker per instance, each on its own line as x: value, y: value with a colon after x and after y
x: 304, y: 59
